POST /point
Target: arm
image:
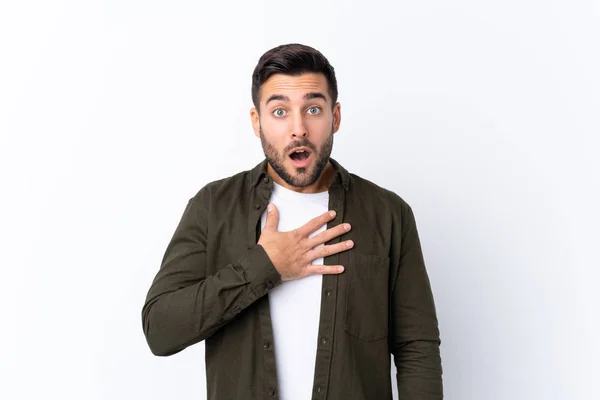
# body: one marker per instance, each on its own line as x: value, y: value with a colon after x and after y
x: 415, y: 341
x: 184, y: 305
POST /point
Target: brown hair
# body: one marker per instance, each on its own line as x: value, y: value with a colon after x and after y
x: 292, y: 59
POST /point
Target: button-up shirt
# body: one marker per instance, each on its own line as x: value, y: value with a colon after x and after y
x: 214, y: 278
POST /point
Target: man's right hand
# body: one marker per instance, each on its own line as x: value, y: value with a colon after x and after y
x: 292, y: 253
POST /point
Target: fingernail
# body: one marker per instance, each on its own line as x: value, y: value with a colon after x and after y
x: 332, y: 213
x: 270, y: 208
x: 349, y: 243
x: 347, y: 227
x: 341, y: 269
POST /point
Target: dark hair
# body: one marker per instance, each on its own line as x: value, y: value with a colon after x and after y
x: 292, y: 59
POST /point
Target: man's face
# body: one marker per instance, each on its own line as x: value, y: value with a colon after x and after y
x: 296, y: 126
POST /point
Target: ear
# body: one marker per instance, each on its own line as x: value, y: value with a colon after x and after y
x: 337, y: 117
x: 255, y: 118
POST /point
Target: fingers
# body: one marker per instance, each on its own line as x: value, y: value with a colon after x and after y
x: 315, y: 223
x: 272, y: 220
x: 327, y: 235
x: 324, y: 269
x: 325, y: 251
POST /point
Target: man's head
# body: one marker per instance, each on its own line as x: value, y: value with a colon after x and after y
x: 294, y: 91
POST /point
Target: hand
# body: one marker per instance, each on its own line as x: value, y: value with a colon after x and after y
x: 292, y: 253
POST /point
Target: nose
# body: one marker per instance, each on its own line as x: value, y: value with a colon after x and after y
x: 298, y: 128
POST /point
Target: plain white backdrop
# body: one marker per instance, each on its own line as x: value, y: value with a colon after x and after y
x: 482, y: 115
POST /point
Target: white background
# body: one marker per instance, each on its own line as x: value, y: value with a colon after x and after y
x: 483, y: 115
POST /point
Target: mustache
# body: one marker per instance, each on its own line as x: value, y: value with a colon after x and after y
x: 301, y: 143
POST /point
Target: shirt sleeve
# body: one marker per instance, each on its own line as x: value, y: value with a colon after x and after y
x: 415, y: 336
x: 184, y: 305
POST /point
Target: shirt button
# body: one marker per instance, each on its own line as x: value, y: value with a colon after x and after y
x: 266, y: 344
x: 257, y: 206
x: 318, y: 389
x: 266, y: 180
x: 328, y: 293
x: 269, y: 285
x: 272, y: 392
x: 324, y: 340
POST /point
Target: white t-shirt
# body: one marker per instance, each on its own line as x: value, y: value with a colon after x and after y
x: 296, y: 304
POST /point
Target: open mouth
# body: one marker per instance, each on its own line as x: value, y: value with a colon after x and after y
x: 299, y: 155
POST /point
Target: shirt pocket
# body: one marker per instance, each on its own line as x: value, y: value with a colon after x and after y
x: 367, y: 296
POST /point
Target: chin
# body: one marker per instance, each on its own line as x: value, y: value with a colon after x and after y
x: 300, y: 177
x: 300, y: 171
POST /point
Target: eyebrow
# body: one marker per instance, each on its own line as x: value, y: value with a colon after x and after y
x: 307, y: 96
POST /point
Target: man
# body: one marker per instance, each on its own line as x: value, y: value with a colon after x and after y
x: 300, y: 277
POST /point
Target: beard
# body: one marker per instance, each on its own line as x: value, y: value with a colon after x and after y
x: 301, y: 177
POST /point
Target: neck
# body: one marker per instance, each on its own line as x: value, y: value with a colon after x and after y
x: 321, y: 185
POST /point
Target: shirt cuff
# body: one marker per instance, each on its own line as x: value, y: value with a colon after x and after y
x: 260, y: 271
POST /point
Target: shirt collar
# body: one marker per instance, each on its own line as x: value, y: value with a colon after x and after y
x: 259, y: 172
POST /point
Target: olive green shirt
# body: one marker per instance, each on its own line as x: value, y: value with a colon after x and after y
x: 214, y: 278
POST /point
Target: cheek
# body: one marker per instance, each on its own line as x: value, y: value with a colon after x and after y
x: 320, y: 124
x: 319, y: 129
x: 275, y: 127
x: 274, y: 139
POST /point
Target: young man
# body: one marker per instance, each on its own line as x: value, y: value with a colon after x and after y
x: 300, y: 277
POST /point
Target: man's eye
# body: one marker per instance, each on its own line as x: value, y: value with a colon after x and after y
x: 279, y: 112
x: 314, y: 110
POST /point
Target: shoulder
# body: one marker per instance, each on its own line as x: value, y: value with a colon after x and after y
x: 231, y: 187
x: 380, y: 195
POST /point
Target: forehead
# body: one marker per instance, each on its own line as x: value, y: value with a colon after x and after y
x: 294, y: 86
